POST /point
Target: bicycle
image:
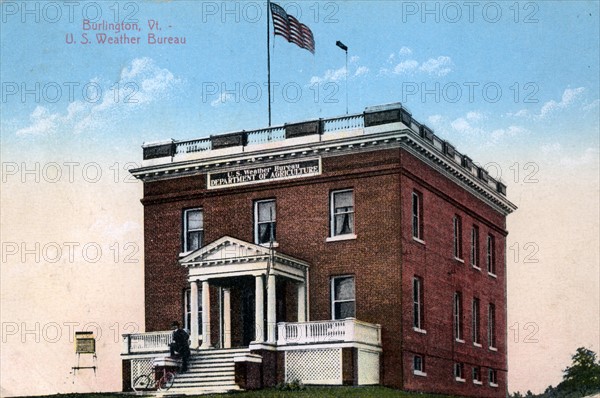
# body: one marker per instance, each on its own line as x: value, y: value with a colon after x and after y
x: 150, y: 381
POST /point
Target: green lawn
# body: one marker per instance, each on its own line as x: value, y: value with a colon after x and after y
x: 320, y: 392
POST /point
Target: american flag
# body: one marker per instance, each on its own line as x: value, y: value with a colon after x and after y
x: 289, y: 27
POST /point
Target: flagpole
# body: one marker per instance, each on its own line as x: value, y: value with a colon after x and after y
x: 344, y: 48
x: 269, y: 58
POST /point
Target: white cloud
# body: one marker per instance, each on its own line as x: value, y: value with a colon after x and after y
x: 435, y: 119
x: 474, y: 116
x: 334, y: 75
x: 361, y: 70
x: 354, y: 59
x: 473, y: 126
x: 406, y: 67
x: 522, y: 113
x: 142, y: 82
x: 405, y: 51
x: 592, y: 105
x: 569, y: 96
x: 223, y: 99
x: 331, y: 75
x: 511, y: 131
x: 42, y: 122
x: 439, y: 66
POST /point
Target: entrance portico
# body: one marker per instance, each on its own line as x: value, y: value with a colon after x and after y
x: 231, y: 259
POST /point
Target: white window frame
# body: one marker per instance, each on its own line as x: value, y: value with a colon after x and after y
x: 186, y: 231
x: 458, y: 317
x: 187, y: 309
x: 418, y: 310
x: 257, y: 223
x: 421, y: 360
x: 476, y: 381
x: 493, y: 379
x: 333, y: 299
x: 491, y: 255
x: 457, y: 235
x: 475, y: 248
x: 492, y: 327
x: 416, y: 217
x: 332, y: 214
x: 476, y: 322
x: 459, y: 372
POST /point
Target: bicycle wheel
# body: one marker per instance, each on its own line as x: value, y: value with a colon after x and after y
x: 166, y: 381
x: 142, y: 383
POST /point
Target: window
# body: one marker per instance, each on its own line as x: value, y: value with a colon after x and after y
x: 491, y: 257
x: 458, y: 328
x: 418, y: 315
x: 193, y: 229
x: 419, y: 365
x: 493, y: 377
x: 457, y: 237
x: 459, y: 372
x: 342, y: 213
x: 265, y: 221
x: 475, y: 247
x: 417, y: 211
x: 492, y: 326
x: 343, y: 297
x: 188, y: 310
x: 476, y: 336
x: 476, y: 375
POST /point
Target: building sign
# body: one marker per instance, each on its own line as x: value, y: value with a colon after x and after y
x: 85, y: 343
x: 266, y: 173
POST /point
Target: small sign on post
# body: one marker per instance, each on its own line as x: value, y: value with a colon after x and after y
x: 85, y: 343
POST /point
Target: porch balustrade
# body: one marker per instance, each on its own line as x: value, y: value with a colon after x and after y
x: 138, y: 343
x: 346, y: 330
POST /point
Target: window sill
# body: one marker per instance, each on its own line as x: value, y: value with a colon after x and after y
x: 492, y: 275
x: 477, y: 345
x: 421, y: 241
x: 267, y: 245
x: 493, y: 348
x: 493, y: 385
x: 419, y: 373
x: 422, y: 331
x: 183, y: 254
x: 460, y: 260
x: 340, y: 237
x: 459, y: 379
x: 477, y: 382
x: 476, y: 268
x: 459, y: 341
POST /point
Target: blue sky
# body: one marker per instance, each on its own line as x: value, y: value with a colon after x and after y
x: 515, y: 83
x: 445, y: 61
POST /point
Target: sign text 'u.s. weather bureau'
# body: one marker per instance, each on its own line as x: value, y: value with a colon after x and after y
x: 266, y: 173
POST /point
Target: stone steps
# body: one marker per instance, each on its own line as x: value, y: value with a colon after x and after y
x: 209, y: 371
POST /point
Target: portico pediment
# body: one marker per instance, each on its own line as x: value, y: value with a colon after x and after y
x: 231, y: 256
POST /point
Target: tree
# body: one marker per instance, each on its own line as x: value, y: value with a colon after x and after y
x: 583, y: 376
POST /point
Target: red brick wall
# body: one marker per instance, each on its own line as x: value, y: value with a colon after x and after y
x: 383, y: 258
x: 443, y: 275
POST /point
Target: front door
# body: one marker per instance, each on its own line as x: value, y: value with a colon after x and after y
x: 248, y: 322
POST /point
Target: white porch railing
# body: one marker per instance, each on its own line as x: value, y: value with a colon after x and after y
x: 346, y: 330
x: 146, y: 342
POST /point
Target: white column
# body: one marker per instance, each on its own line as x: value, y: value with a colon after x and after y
x: 226, y: 318
x: 205, y: 315
x: 194, y: 314
x: 301, y: 302
x: 271, y: 309
x: 259, y: 310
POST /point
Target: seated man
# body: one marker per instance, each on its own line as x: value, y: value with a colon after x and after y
x: 180, y: 344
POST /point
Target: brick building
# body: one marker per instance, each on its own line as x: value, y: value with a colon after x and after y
x: 354, y: 250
